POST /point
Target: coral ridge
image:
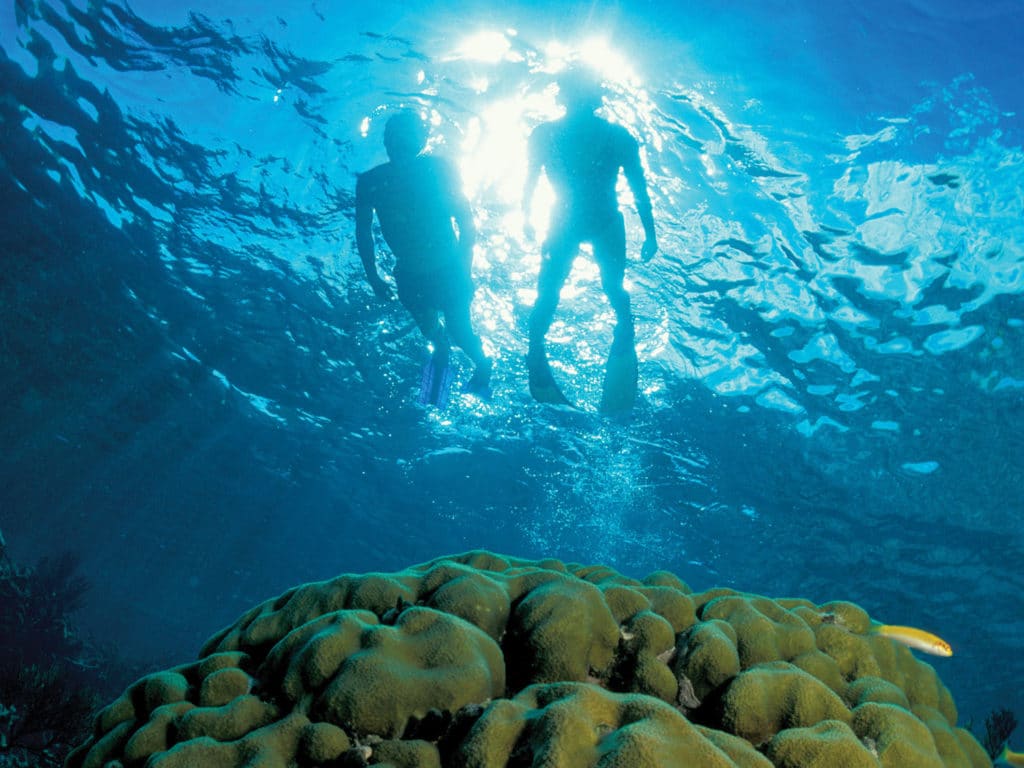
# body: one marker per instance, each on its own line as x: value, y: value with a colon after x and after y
x: 485, y: 661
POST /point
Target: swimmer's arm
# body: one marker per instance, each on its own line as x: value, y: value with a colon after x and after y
x: 638, y: 184
x: 463, y: 216
x: 532, y: 177
x: 460, y: 209
x: 364, y: 239
x: 533, y: 167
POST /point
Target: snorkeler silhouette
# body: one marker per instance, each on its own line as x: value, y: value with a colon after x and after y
x: 417, y: 197
x: 581, y: 154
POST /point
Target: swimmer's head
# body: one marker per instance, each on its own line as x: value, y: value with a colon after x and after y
x: 580, y: 90
x: 405, y: 135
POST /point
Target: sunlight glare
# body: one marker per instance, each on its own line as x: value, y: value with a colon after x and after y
x: 493, y: 157
x: 600, y: 56
x: 558, y: 56
x: 487, y: 46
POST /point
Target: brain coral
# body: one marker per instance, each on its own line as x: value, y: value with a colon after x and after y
x: 484, y: 661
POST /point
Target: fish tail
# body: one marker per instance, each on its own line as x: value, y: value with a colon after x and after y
x: 1010, y: 757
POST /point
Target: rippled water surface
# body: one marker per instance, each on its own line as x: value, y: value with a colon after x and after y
x: 202, y: 396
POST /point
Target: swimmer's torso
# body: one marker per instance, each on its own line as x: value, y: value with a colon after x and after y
x: 415, y: 201
x: 582, y: 155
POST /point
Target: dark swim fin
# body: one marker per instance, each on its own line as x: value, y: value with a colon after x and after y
x: 436, y: 379
x: 542, y: 383
x: 620, y: 377
x: 479, y: 383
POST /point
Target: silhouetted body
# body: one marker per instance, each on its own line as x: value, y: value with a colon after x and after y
x: 427, y: 223
x: 581, y: 155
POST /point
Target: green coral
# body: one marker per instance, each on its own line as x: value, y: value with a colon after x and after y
x: 827, y: 744
x: 427, y: 660
x: 765, y: 631
x: 771, y: 697
x: 900, y: 738
x: 561, y: 630
x: 709, y: 657
x: 482, y: 660
x: 647, y: 643
x: 577, y: 725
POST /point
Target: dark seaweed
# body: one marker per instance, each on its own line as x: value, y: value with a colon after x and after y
x: 999, y: 724
x: 52, y: 678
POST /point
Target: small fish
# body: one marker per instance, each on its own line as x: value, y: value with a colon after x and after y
x: 1010, y: 757
x: 914, y: 638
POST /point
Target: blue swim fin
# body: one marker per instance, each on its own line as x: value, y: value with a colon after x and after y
x: 436, y: 379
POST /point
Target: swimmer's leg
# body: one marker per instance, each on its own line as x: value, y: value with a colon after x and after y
x: 436, y: 377
x: 460, y: 329
x: 554, y: 271
x: 620, y: 381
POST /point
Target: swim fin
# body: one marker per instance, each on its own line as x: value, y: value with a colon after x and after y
x: 620, y: 379
x: 542, y: 383
x: 479, y: 383
x: 436, y: 379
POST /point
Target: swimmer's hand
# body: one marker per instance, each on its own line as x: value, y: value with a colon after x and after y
x: 650, y: 247
x: 383, y: 290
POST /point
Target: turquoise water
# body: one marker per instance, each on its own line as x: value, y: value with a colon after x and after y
x: 203, y: 399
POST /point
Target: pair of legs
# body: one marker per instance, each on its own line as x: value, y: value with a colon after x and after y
x: 427, y: 302
x: 560, y: 251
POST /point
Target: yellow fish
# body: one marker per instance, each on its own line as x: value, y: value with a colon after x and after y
x: 914, y: 638
x: 1011, y: 757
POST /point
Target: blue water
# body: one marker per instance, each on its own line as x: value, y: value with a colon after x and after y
x: 201, y: 396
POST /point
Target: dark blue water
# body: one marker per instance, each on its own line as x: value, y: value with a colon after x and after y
x: 201, y: 396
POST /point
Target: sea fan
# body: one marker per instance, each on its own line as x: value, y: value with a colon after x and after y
x: 999, y: 724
